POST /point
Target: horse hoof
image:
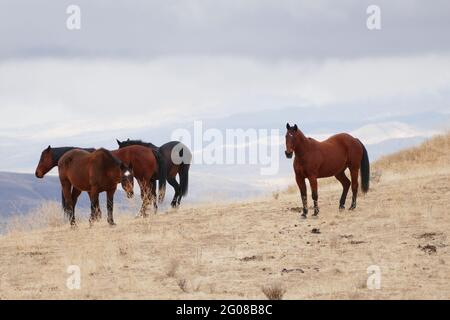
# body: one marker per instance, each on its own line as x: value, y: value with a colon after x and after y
x: 303, y: 216
x: 112, y: 224
x: 352, y: 208
x: 341, y: 208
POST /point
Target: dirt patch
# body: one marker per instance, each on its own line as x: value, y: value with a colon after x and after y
x: 284, y: 271
x: 251, y: 258
x: 356, y: 242
x: 428, y: 235
x: 430, y: 249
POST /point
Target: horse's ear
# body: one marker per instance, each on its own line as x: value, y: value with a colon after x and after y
x: 49, y: 147
x: 295, y: 127
x: 288, y: 126
x: 118, y: 142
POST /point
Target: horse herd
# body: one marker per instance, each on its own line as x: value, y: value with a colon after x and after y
x: 100, y: 170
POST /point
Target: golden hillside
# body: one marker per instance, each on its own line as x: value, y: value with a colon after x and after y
x: 233, y: 250
x: 435, y: 151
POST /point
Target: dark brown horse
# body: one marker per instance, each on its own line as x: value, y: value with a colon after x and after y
x: 148, y: 166
x: 49, y: 159
x: 177, y: 158
x: 94, y: 173
x: 314, y: 159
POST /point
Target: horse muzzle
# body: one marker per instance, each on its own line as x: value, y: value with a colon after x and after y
x: 39, y: 175
x: 130, y: 195
x: 288, y: 154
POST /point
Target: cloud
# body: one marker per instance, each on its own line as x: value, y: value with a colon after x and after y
x: 260, y: 29
x: 63, y: 97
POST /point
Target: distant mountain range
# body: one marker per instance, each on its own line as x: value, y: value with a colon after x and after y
x: 21, y: 192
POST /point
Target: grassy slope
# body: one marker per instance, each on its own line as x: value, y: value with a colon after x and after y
x: 232, y: 250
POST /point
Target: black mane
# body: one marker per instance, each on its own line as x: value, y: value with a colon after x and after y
x: 129, y: 142
x: 57, y: 153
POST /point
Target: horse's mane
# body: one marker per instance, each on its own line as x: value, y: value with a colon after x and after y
x: 110, y: 156
x: 138, y: 142
x: 57, y: 153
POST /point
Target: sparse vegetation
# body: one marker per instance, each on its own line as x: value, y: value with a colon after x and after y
x: 402, y: 225
x: 432, y: 151
x: 172, y: 268
x: 274, y: 291
x: 182, y: 283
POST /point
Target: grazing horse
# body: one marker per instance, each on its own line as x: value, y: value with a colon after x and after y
x: 147, y: 166
x: 177, y: 158
x: 94, y: 173
x: 314, y: 159
x: 49, y: 159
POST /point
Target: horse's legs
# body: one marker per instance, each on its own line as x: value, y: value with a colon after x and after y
x: 179, y: 193
x: 94, y: 206
x: 302, y: 186
x: 145, y: 197
x: 176, y: 186
x: 69, y: 206
x: 315, y: 195
x: 342, y: 177
x: 354, y: 176
x: 75, y: 194
x: 153, y: 197
x: 110, y: 205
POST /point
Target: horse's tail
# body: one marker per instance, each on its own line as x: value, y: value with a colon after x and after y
x: 162, y: 173
x: 365, y: 170
x: 184, y: 178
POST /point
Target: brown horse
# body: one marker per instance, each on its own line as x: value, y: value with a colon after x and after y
x: 177, y: 158
x: 314, y: 159
x: 148, y: 166
x: 49, y: 159
x: 94, y: 173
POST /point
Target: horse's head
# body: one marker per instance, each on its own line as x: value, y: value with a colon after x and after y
x: 45, y: 163
x: 123, y: 144
x: 127, y: 179
x: 291, y: 135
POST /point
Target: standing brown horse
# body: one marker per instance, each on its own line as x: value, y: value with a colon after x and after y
x: 49, y: 159
x: 314, y: 159
x: 148, y: 166
x: 177, y: 159
x: 94, y: 172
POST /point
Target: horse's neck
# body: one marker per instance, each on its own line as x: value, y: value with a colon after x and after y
x: 303, y: 145
x: 57, y: 153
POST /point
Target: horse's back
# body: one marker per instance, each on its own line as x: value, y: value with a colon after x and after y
x: 344, y: 140
x: 351, y: 145
x: 72, y: 157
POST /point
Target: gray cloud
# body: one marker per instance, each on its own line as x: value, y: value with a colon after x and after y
x: 287, y: 29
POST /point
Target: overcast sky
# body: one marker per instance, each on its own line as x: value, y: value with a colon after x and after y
x: 286, y: 29
x: 143, y: 63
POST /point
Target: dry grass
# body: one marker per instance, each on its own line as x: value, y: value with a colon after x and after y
x: 172, y: 268
x: 182, y: 283
x: 435, y: 151
x: 274, y: 291
x: 227, y: 251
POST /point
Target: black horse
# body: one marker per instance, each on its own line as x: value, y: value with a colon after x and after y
x: 177, y: 158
